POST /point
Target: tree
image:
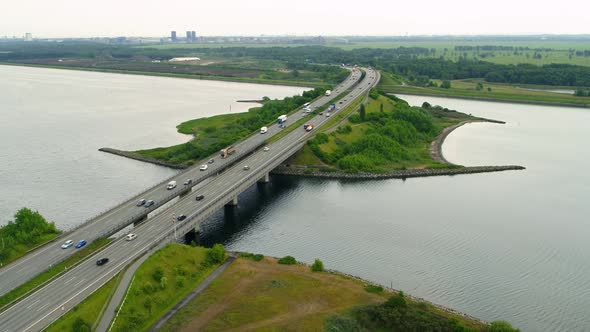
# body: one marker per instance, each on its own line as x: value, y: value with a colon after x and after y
x: 317, y: 266
x: 479, y: 86
x: 80, y: 325
x: 381, y: 107
x: 446, y: 84
x: 215, y: 255
x: 363, y: 112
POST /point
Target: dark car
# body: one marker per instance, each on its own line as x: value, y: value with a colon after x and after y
x: 188, y: 182
x: 81, y: 244
x: 181, y: 217
x: 140, y: 202
x: 102, y: 261
x: 149, y: 203
x: 199, y: 197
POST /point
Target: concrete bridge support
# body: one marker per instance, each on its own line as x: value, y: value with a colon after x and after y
x: 265, y: 179
x: 233, y: 202
x: 192, y: 236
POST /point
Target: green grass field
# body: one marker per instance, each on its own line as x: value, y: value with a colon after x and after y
x: 148, y: 299
x: 267, y: 296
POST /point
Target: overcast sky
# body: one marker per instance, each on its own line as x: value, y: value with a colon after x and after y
x: 82, y: 18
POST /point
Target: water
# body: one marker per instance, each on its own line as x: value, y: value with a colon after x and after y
x: 511, y: 245
x: 52, y: 123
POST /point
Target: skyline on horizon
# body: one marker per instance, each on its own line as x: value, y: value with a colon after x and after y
x: 71, y: 19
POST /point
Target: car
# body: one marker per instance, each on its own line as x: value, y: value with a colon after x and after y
x: 67, y: 244
x: 328, y: 114
x: 211, y: 161
x: 246, y: 167
x: 130, y: 236
x: 81, y: 244
x: 321, y: 113
x: 339, y: 102
x: 149, y: 203
x: 199, y: 197
x: 140, y: 202
x: 102, y: 261
x: 266, y: 148
x: 188, y: 182
x: 203, y: 167
x: 181, y: 217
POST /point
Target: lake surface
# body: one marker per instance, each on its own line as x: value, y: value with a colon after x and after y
x: 511, y: 245
x: 52, y: 123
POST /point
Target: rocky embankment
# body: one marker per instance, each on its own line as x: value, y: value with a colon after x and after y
x: 399, y: 174
x: 142, y: 158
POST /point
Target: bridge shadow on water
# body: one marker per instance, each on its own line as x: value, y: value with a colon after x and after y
x: 227, y: 223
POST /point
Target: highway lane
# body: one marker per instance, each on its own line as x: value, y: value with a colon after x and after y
x: 50, y: 302
x: 22, y: 270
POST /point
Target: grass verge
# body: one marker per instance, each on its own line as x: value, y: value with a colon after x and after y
x: 52, y: 272
x: 160, y: 282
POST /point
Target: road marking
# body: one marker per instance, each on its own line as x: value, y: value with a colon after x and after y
x: 79, y: 282
x: 32, y: 304
x: 65, y: 283
x: 43, y: 306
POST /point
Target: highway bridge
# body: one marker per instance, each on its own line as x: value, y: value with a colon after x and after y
x: 127, y: 213
x: 223, y: 186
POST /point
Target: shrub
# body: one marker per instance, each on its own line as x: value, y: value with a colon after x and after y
x: 317, y: 266
x: 288, y: 260
x: 180, y: 281
x: 163, y: 282
x: 147, y: 288
x: 215, y: 255
x: 501, y: 326
x: 254, y: 257
x: 374, y: 289
x: 158, y: 274
x: 81, y: 325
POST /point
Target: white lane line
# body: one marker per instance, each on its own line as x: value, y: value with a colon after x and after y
x: 79, y: 282
x: 32, y: 304
x: 43, y: 306
x: 67, y: 282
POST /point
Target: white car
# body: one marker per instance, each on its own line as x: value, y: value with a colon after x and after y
x: 266, y: 148
x: 203, y: 167
x: 67, y: 244
x: 130, y: 236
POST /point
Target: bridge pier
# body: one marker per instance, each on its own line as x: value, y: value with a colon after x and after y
x: 233, y: 202
x: 192, y: 237
x: 265, y: 179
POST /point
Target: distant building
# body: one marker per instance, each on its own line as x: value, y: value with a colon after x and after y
x: 193, y: 36
x: 173, y: 36
x: 188, y: 37
x: 28, y: 36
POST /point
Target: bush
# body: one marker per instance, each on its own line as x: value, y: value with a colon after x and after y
x: 317, y: 266
x: 180, y: 281
x: 374, y: 289
x: 501, y: 326
x: 288, y: 260
x: 81, y: 325
x: 148, y: 288
x: 254, y: 257
x: 158, y: 274
x: 215, y: 255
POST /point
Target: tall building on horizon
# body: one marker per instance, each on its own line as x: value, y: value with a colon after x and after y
x: 193, y: 36
x: 28, y: 36
x: 173, y: 36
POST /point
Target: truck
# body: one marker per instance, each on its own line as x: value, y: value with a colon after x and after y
x: 227, y: 151
x: 263, y: 130
x: 308, y: 126
x: 171, y: 185
x: 328, y: 92
x: 282, y: 118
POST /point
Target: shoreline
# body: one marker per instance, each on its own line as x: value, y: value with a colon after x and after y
x: 172, y: 75
x: 495, y: 100
x: 136, y: 156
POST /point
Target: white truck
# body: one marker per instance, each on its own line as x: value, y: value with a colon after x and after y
x: 171, y: 185
x: 282, y: 118
x: 263, y: 130
x: 328, y: 92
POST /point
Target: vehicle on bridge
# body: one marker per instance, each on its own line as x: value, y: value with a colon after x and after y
x: 130, y: 236
x: 81, y: 244
x: 203, y: 167
x: 181, y: 217
x: 171, y: 185
x: 141, y: 202
x: 149, y: 203
x: 188, y: 182
x: 266, y: 148
x: 102, y: 261
x: 263, y: 130
x: 227, y: 151
x: 199, y: 197
x: 246, y: 167
x: 308, y: 126
x: 328, y: 92
x: 67, y: 244
x: 211, y: 161
x: 281, y: 119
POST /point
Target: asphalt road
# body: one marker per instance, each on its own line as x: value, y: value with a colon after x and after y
x: 27, y: 267
x: 51, y: 301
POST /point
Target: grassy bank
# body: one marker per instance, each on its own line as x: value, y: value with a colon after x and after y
x: 27, y: 231
x: 86, y: 313
x: 214, y: 133
x: 267, y: 296
x: 53, y: 271
x: 160, y: 282
x: 502, y: 92
x: 388, y: 135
